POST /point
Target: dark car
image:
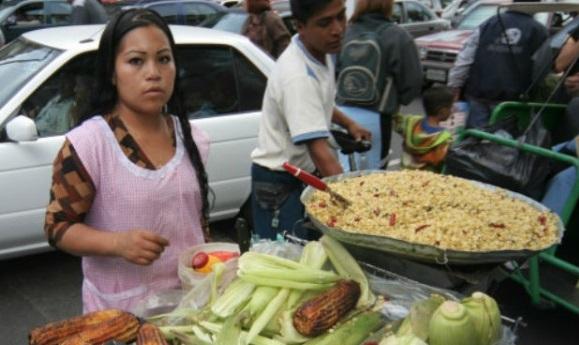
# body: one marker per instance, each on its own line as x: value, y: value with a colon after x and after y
x: 28, y: 15
x: 183, y: 12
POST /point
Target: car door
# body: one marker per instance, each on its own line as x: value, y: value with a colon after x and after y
x: 223, y: 91
x: 419, y: 19
x: 25, y: 17
x: 26, y: 169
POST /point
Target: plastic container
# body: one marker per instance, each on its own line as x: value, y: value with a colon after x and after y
x: 190, y: 278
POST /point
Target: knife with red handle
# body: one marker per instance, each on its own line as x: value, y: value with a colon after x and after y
x: 315, y: 182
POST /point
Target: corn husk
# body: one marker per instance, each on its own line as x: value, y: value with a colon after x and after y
x: 486, y: 316
x: 452, y: 325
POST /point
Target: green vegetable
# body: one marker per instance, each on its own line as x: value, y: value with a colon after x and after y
x: 258, y: 340
x: 218, y: 270
x: 233, y: 299
x: 347, y: 267
x: 352, y: 332
x: 451, y: 325
x: 260, y: 298
x: 486, y: 316
x: 408, y: 339
x: 266, y: 267
x: 418, y: 319
x: 230, y: 332
x: 269, y: 312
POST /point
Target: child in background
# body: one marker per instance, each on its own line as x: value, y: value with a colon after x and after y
x: 425, y: 142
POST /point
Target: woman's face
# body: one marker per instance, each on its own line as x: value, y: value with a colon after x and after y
x: 144, y: 71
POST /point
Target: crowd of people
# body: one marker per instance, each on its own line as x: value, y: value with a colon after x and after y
x: 130, y: 189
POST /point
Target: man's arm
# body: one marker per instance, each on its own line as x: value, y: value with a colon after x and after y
x: 459, y: 73
x: 355, y: 130
x: 323, y: 157
x: 568, y: 54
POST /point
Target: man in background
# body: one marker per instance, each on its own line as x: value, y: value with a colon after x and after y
x: 88, y: 12
x: 265, y: 28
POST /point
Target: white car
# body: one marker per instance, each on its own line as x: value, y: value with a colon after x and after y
x: 224, y: 77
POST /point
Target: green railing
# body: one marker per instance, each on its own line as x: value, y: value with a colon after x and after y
x: 550, y: 115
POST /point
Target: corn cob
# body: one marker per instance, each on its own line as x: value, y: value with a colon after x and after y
x: 123, y: 328
x: 323, y: 311
x: 54, y: 333
x: 150, y: 334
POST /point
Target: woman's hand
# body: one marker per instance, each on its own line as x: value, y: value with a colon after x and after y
x: 139, y: 246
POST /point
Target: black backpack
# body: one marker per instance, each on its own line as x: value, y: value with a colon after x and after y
x: 359, y: 80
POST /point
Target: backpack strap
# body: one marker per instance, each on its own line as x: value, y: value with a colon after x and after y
x: 389, y: 80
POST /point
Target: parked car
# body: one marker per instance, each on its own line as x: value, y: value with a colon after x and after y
x: 417, y: 19
x: 438, y: 51
x: 412, y: 15
x: 183, y: 12
x: 224, y: 78
x: 28, y: 15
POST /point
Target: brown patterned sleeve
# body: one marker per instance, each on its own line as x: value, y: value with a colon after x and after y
x: 71, y: 194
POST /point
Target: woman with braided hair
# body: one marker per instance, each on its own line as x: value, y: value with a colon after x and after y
x: 129, y: 190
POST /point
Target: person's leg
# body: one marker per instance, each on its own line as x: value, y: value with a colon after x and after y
x: 386, y: 136
x: 275, y: 202
x: 558, y: 190
x: 478, y: 114
x: 371, y: 121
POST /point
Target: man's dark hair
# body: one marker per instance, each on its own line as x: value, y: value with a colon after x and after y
x: 436, y: 98
x: 302, y: 10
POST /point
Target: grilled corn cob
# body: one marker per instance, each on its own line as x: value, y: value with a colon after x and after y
x: 150, y: 334
x: 123, y: 328
x: 55, y: 333
x: 324, y: 311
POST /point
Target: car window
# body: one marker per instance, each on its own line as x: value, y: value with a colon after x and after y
x: 397, y: 13
x: 218, y: 80
x: 58, y: 13
x: 29, y: 15
x: 169, y: 12
x: 19, y: 62
x: 232, y: 22
x: 417, y: 12
x: 197, y: 13
x: 57, y: 105
x: 477, y: 16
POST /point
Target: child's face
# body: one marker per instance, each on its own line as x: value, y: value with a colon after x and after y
x: 445, y: 112
x: 323, y: 32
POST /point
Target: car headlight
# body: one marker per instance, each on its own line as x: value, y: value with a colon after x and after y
x: 422, y: 52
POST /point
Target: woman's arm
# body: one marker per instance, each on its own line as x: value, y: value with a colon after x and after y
x: 71, y: 197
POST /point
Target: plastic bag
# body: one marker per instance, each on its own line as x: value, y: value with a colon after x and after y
x: 501, y: 165
x: 189, y: 278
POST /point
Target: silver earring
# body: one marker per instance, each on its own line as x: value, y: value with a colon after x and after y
x: 165, y: 109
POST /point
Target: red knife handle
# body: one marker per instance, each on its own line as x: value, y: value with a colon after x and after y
x: 305, y: 176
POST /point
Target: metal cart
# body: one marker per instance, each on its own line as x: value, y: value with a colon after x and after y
x: 549, y: 278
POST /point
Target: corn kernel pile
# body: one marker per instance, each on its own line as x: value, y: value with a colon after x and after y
x: 438, y: 210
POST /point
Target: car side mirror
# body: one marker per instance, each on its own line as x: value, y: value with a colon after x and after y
x: 21, y: 128
x: 11, y: 21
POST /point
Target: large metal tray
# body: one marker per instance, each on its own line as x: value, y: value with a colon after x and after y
x: 422, y: 252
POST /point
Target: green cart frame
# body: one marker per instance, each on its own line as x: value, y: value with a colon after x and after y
x: 550, y: 116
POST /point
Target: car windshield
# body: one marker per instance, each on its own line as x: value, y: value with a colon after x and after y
x: 19, y: 62
x: 231, y: 21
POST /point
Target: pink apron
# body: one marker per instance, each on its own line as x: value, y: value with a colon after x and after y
x: 166, y: 201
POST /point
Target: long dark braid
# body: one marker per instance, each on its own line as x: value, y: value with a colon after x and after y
x: 195, y: 158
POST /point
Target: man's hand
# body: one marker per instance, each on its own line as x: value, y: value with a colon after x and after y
x: 572, y: 84
x: 456, y: 94
x: 359, y: 132
x: 139, y: 246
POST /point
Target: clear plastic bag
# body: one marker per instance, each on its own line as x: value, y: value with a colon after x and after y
x: 189, y: 278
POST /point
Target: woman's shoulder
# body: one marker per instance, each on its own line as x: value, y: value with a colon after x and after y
x: 87, y: 126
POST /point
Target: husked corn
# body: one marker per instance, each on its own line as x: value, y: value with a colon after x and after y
x: 438, y: 210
